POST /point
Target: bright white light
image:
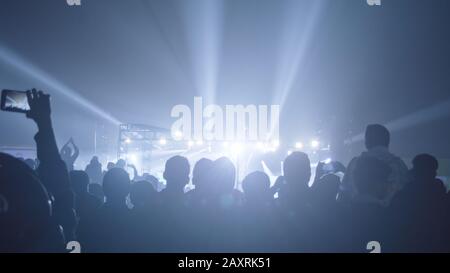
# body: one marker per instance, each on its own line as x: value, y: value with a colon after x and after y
x: 260, y: 146
x: 225, y: 144
x: 178, y: 134
x: 162, y: 141
x: 315, y: 144
x: 289, y: 152
x: 276, y: 143
x: 132, y: 158
x: 127, y: 140
x: 190, y: 143
x: 199, y: 142
x: 236, y: 148
x: 327, y: 161
x: 299, y: 145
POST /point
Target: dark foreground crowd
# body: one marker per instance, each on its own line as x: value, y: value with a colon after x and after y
x: 44, y: 207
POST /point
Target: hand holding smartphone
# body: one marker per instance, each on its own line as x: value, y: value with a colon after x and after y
x: 14, y: 101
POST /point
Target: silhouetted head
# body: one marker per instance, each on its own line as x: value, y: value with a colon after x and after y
x: 152, y: 179
x: 94, y: 160
x: 326, y: 188
x: 116, y: 185
x: 256, y: 187
x: 25, y: 208
x: 201, y: 174
x: 377, y: 135
x: 224, y: 174
x: 142, y: 192
x: 110, y: 165
x: 297, y: 169
x: 176, y: 173
x: 79, y: 181
x: 121, y: 164
x: 425, y: 166
x: 371, y: 177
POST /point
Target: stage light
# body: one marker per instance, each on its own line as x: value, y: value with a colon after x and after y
x: 315, y: 144
x: 260, y: 146
x: 236, y: 148
x: 163, y: 141
x: 327, y: 161
x: 289, y: 152
x: 299, y: 145
x: 190, y: 143
x: 127, y: 140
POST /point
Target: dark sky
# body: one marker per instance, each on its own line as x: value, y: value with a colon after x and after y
x: 136, y: 59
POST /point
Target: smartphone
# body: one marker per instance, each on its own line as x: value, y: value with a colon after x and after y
x: 14, y: 101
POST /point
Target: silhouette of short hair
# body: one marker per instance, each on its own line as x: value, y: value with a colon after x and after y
x: 142, y: 192
x: 297, y: 168
x: 225, y: 174
x: 201, y: 172
x: 377, y: 135
x: 79, y: 181
x: 425, y: 165
x: 256, y: 185
x: 116, y: 184
x: 176, y: 172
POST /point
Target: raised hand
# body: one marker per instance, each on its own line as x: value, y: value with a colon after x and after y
x: 39, y: 106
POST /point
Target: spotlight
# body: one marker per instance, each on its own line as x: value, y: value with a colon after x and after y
x: 299, y: 145
x: 315, y: 144
x: 190, y: 143
x: 236, y: 148
x: 163, y: 141
x: 127, y: 140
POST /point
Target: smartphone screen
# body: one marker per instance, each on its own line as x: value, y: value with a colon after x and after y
x: 14, y: 101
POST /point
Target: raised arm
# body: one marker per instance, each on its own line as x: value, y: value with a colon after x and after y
x: 52, y: 170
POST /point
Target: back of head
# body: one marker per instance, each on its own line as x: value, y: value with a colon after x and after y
x: 256, y: 186
x: 24, y: 207
x: 327, y: 187
x: 297, y: 169
x: 79, y: 181
x: 377, y: 135
x: 176, y: 173
x: 116, y: 184
x: 120, y: 164
x: 224, y: 174
x: 371, y: 176
x: 201, y: 173
x: 110, y: 165
x: 425, y: 166
x: 142, y: 192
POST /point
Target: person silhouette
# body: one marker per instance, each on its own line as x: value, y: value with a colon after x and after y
x: 424, y: 230
x: 25, y: 211
x: 94, y: 170
x: 108, y: 228
x: 377, y: 139
x: 67, y: 156
x: 85, y: 203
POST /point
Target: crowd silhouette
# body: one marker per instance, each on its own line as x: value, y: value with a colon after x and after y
x: 45, y: 204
